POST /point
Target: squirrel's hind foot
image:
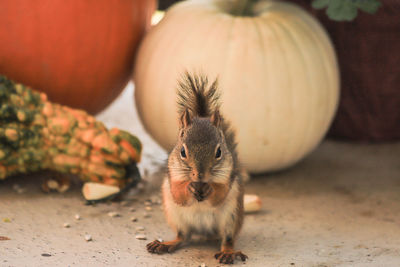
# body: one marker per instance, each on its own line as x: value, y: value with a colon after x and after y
x: 228, y: 257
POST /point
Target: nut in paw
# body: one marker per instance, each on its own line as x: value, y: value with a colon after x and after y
x: 200, y: 190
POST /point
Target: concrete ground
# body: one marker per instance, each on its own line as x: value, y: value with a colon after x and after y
x: 338, y: 207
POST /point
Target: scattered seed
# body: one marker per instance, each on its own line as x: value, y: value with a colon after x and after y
x: 46, y: 255
x: 140, y: 228
x: 148, y: 208
x: 146, y: 215
x: 52, y: 184
x: 252, y: 203
x: 19, y: 189
x: 156, y: 200
x: 124, y: 203
x: 88, y: 238
x: 148, y: 202
x: 132, y: 209
x: 3, y: 238
x: 66, y: 225
x: 114, y: 214
x: 63, y: 188
x: 77, y: 217
x: 141, y: 237
x: 133, y: 219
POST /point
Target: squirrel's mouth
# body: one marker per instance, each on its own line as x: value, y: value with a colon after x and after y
x: 200, y: 190
x: 199, y: 197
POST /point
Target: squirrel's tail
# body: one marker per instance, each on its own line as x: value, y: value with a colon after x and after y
x: 195, y: 95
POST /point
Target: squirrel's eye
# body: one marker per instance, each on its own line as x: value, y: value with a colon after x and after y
x: 183, y: 152
x: 218, y: 153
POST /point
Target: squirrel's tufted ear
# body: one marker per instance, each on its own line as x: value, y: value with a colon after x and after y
x: 185, y: 119
x: 216, y: 118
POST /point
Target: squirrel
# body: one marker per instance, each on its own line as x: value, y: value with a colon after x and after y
x: 202, y: 189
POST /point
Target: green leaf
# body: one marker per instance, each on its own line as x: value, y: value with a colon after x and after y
x: 341, y: 10
x: 319, y: 4
x: 368, y: 6
x: 346, y: 10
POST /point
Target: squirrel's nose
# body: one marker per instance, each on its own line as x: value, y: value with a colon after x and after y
x: 197, y: 175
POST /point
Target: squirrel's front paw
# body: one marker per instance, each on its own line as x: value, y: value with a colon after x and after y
x: 228, y: 257
x: 160, y: 247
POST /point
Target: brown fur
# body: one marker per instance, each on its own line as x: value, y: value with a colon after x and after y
x: 180, y: 192
x: 240, y: 210
x: 203, y: 191
x: 218, y: 193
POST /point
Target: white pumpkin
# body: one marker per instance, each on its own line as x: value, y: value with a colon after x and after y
x: 276, y: 67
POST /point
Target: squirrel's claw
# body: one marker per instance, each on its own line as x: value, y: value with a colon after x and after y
x: 228, y: 257
x: 160, y: 247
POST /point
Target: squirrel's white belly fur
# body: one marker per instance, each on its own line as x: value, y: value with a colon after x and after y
x: 201, y: 217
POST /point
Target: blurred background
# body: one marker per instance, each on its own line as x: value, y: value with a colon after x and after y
x: 367, y: 50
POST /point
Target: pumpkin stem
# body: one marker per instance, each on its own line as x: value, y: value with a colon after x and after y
x: 244, y: 8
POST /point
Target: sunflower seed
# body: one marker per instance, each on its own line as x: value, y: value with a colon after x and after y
x: 141, y: 237
x: 114, y: 214
x: 140, y: 228
x: 125, y: 203
x: 19, y: 189
x: 88, y: 238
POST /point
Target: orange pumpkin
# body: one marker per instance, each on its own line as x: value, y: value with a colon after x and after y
x: 79, y: 52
